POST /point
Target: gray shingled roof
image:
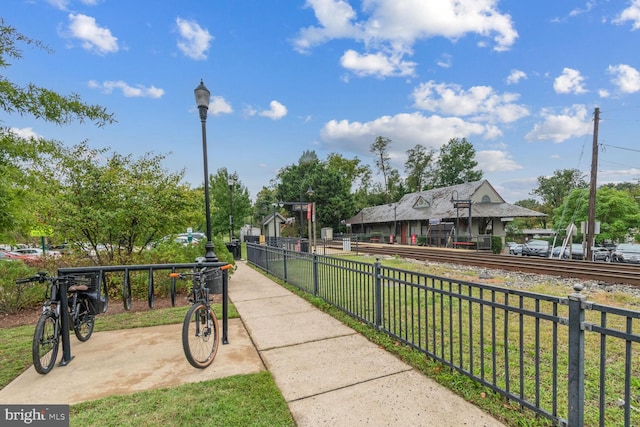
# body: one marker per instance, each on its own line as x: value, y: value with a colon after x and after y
x: 436, y: 204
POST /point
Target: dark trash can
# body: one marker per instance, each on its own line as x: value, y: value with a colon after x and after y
x: 234, y: 248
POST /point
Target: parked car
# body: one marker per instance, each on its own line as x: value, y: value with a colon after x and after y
x: 573, y: 252
x: 11, y: 255
x: 515, y: 248
x: 535, y: 247
x: 601, y: 253
x: 36, y: 252
x: 627, y: 252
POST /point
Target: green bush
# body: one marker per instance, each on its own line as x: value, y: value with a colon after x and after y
x: 15, y: 297
x: 496, y: 244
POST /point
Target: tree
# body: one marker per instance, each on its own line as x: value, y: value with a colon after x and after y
x: 382, y: 160
x: 553, y: 190
x: 616, y: 210
x: 122, y: 203
x: 19, y: 155
x: 221, y: 202
x: 456, y: 164
x: 331, y: 184
x: 419, y: 168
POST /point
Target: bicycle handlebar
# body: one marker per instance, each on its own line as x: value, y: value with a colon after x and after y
x: 203, y: 270
x: 40, y: 277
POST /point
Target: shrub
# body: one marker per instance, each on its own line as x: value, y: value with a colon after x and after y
x: 496, y: 244
x: 15, y: 297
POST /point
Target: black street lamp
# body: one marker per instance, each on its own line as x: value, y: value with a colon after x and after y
x: 202, y: 101
x: 230, y: 181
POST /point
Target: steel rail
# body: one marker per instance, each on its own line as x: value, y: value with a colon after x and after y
x: 603, y: 272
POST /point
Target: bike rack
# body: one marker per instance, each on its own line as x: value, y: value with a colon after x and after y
x: 126, y: 269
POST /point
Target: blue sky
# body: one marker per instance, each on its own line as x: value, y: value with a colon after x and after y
x: 520, y: 80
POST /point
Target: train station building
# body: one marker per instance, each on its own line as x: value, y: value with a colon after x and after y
x: 463, y: 214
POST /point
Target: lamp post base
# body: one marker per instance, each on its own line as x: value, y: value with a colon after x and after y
x: 210, y: 255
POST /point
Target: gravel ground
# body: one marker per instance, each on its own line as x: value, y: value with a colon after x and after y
x: 526, y: 281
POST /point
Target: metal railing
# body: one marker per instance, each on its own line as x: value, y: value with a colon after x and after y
x: 564, y: 358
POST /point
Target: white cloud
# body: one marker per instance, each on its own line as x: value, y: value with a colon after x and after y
x: 26, y: 133
x: 405, y: 130
x: 570, y: 81
x: 394, y: 27
x: 515, y: 76
x: 603, y: 93
x: 479, y: 102
x: 276, y: 111
x: 335, y: 19
x: 139, y: 91
x: 219, y: 105
x: 194, y: 41
x: 445, y: 61
x: 64, y: 4
x: 496, y: 161
x: 625, y: 77
x: 571, y: 122
x: 632, y: 13
x: 578, y: 11
x: 59, y: 4
x: 94, y: 38
x: 377, y: 64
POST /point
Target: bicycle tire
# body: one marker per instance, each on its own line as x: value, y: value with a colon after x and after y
x: 46, y: 340
x: 200, y: 335
x: 83, y: 320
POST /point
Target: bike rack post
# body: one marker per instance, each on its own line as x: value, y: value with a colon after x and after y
x: 64, y: 318
x: 225, y: 306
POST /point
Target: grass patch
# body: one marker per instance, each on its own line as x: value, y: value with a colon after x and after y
x: 242, y: 400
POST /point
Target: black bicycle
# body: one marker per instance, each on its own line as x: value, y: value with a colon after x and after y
x: 200, y: 332
x: 81, y: 311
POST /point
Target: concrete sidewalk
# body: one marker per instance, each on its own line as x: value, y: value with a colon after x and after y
x: 331, y: 375
x: 328, y: 373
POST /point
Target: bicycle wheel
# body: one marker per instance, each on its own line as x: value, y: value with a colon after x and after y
x: 200, y: 337
x: 82, y: 319
x: 44, y: 349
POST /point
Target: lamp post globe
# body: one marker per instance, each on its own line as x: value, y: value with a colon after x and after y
x: 202, y: 101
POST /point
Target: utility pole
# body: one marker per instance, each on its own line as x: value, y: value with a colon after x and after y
x: 591, y: 221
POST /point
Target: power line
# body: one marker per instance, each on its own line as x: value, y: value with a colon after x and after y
x: 620, y: 148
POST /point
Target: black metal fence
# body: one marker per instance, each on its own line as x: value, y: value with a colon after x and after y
x: 572, y: 361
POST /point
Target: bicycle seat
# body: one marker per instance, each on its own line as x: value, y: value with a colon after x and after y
x: 77, y: 288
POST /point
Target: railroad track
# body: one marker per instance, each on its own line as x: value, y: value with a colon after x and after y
x: 606, y: 273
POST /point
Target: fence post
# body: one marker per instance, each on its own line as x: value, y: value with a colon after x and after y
x: 576, y: 357
x: 266, y: 259
x: 315, y: 273
x: 284, y: 264
x: 378, y: 292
